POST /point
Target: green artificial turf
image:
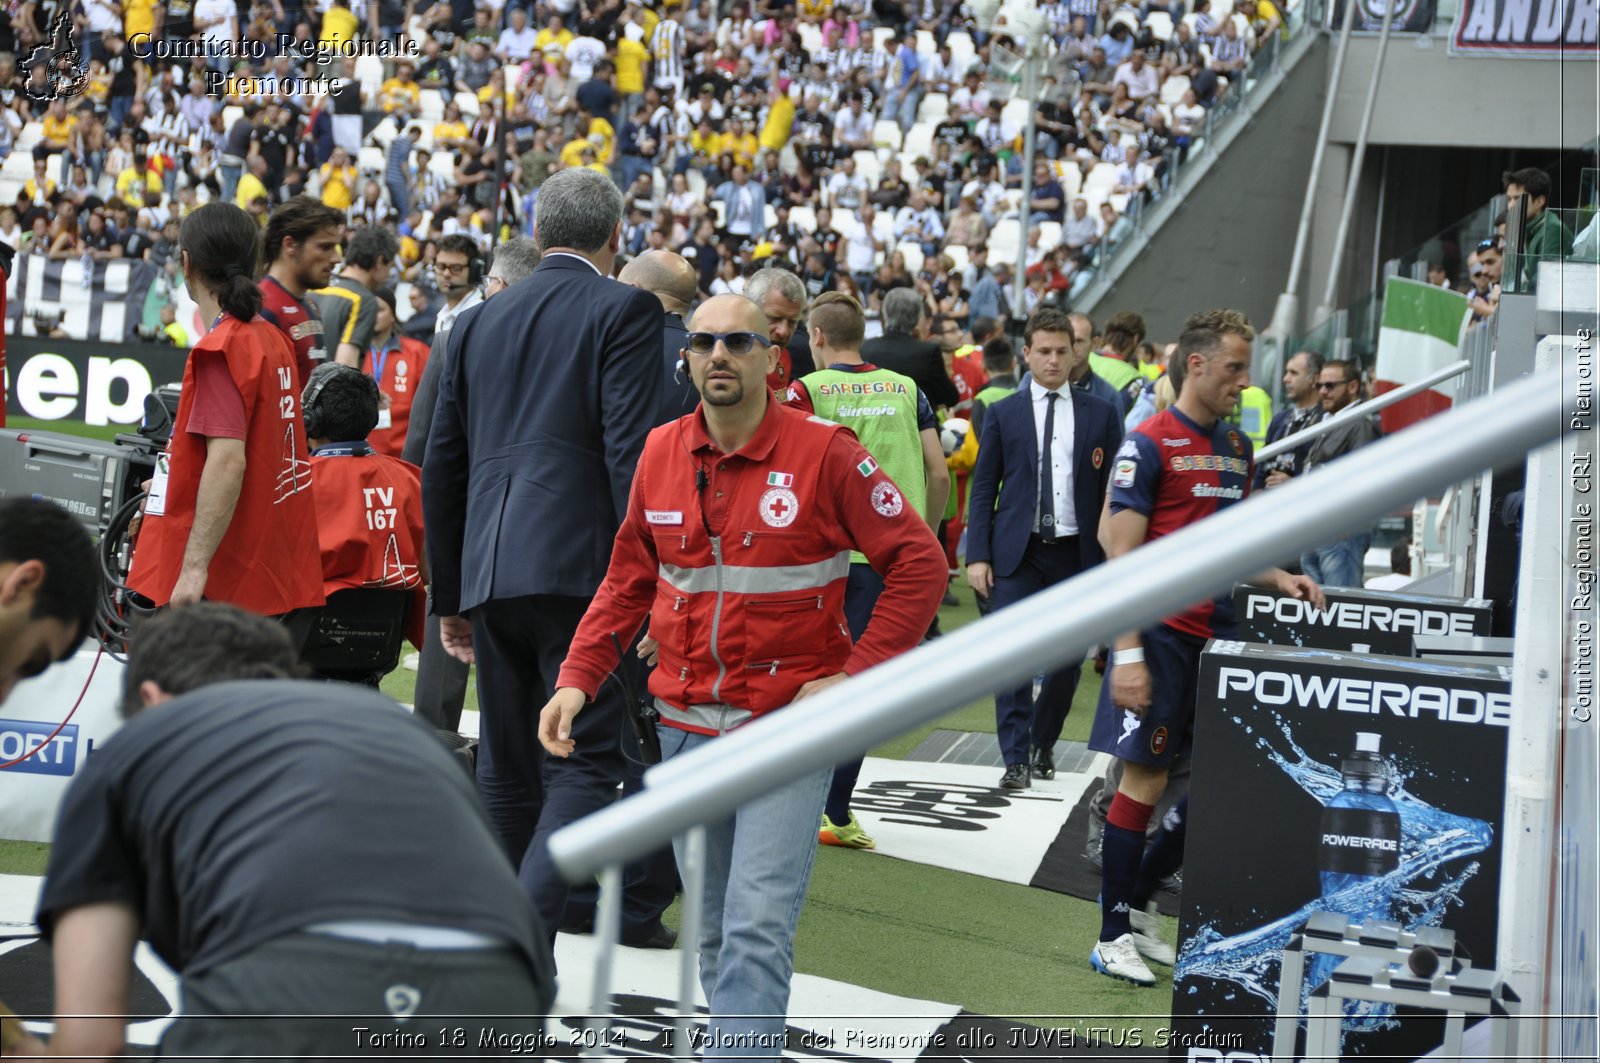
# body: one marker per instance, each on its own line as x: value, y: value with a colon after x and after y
x: 23, y: 858
x: 995, y: 948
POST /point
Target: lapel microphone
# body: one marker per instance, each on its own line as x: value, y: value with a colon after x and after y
x: 701, y: 480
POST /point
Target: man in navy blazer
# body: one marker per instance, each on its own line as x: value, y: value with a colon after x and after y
x: 544, y: 403
x: 1033, y: 524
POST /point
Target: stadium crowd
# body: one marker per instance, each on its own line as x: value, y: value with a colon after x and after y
x: 871, y: 147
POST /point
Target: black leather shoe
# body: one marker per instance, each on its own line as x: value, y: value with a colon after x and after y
x: 662, y: 937
x: 1016, y: 778
x: 1044, y: 764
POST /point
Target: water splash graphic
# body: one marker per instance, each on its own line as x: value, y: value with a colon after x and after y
x: 1418, y: 891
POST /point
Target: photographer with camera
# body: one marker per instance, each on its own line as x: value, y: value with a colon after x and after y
x: 230, y: 515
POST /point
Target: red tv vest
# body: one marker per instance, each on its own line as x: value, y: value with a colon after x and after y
x: 369, y: 522
x: 267, y: 560
x: 402, y: 372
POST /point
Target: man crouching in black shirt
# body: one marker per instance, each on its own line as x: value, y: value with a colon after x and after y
x: 291, y: 849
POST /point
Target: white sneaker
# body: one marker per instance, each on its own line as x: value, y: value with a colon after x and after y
x: 1147, y: 937
x: 409, y: 661
x: 1120, y: 959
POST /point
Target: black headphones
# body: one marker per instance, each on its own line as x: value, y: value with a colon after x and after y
x: 320, y: 377
x: 476, y: 267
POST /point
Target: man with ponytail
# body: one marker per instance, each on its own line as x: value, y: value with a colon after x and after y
x: 230, y: 515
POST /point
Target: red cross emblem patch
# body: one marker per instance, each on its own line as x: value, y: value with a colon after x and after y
x: 779, y: 507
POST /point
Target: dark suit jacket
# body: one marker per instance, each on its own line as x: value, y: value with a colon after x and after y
x: 918, y: 359
x: 678, y: 393
x: 1008, y: 464
x: 426, y: 398
x: 546, y: 396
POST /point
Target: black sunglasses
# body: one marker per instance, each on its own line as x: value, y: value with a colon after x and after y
x: 1330, y: 385
x: 703, y: 343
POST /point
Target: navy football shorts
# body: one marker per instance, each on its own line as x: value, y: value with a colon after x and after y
x: 1166, y: 730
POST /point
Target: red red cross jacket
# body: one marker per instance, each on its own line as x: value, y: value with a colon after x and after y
x: 743, y: 579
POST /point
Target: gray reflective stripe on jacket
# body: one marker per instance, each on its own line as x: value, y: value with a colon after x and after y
x: 751, y: 579
x: 715, y: 717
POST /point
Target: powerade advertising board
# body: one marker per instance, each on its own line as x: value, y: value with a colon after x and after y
x: 1333, y: 781
x: 1353, y: 619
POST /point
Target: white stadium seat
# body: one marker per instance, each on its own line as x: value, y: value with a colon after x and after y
x: 868, y: 166
x: 371, y: 160
x: 803, y: 218
x: 886, y: 134
x: 933, y: 108
x: 912, y: 253
x: 961, y: 49
x: 1173, y: 88
x: 1004, y: 240
x: 1160, y: 23
x: 957, y: 254
x: 1017, y: 111
x: 1049, y: 234
x: 918, y: 142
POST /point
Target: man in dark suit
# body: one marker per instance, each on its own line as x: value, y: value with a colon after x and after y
x: 1044, y: 529
x: 441, y: 689
x: 544, y: 404
x: 670, y: 278
x: 901, y: 350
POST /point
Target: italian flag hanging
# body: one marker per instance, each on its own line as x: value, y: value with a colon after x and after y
x: 1420, y: 334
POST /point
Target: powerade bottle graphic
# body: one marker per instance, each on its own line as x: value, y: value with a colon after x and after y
x: 1360, y: 836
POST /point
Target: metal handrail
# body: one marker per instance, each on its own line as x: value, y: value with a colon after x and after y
x: 1361, y: 409
x: 1056, y: 627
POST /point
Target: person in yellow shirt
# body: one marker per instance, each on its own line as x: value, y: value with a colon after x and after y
x: 741, y: 142
x: 595, y: 126
x: 554, y: 38
x: 451, y: 132
x: 339, y: 25
x: 705, y: 144
x: 58, y: 127
x: 133, y: 182
x: 138, y: 16
x: 780, y: 118
x: 39, y: 188
x: 339, y: 179
x: 630, y: 60
x: 815, y: 10
x: 579, y: 151
x: 401, y: 92
x: 252, y: 185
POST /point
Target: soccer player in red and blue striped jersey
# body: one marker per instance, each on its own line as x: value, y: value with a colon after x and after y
x: 1179, y: 467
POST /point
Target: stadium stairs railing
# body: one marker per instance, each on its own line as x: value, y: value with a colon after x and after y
x: 1046, y: 631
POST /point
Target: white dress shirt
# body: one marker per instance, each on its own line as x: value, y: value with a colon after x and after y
x: 1060, y: 456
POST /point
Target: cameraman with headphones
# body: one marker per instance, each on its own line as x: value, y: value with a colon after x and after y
x: 369, y: 505
x: 458, y: 267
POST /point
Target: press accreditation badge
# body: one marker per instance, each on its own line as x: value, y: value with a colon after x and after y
x: 156, y: 504
x: 383, y: 418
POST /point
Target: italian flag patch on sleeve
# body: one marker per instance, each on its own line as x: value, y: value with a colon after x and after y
x: 867, y: 468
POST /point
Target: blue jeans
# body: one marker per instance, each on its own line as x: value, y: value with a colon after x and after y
x: 758, y: 866
x: 399, y: 196
x: 230, y: 180
x: 902, y: 104
x: 1340, y: 564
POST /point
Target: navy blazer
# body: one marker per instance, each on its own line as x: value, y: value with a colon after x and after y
x: 547, y: 393
x: 1008, y: 466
